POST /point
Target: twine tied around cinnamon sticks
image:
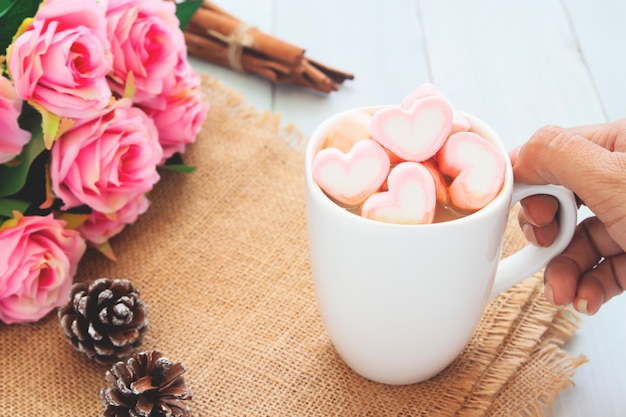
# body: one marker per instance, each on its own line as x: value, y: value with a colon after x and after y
x: 236, y: 41
x: 216, y: 36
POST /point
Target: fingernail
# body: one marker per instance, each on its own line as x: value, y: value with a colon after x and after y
x: 549, y: 294
x: 527, y: 217
x: 581, y: 306
x: 529, y: 233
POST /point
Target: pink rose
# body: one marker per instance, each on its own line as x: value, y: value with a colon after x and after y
x: 12, y: 137
x: 107, y: 161
x: 146, y: 41
x: 100, y: 227
x: 179, y: 111
x: 61, y: 61
x: 38, y: 261
x: 179, y: 122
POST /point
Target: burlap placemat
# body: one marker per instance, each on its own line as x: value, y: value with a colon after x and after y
x: 221, y: 261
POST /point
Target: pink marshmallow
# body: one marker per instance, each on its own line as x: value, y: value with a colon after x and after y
x: 476, y: 167
x: 411, y: 198
x: 441, y: 184
x: 350, y: 178
x: 413, y: 134
x: 353, y: 127
x: 459, y: 123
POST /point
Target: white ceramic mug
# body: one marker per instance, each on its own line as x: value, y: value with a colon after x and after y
x: 400, y: 302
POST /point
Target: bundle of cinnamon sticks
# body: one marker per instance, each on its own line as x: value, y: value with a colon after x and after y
x: 216, y: 36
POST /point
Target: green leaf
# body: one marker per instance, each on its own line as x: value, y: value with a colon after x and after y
x: 176, y: 163
x: 185, y: 169
x: 14, y: 176
x: 8, y: 205
x: 72, y: 220
x: 12, y: 13
x: 51, y: 126
x: 106, y: 249
x: 185, y: 11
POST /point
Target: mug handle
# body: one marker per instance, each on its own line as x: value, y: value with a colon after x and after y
x: 531, y: 259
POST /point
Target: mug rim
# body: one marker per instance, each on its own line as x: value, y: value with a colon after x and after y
x: 477, y: 126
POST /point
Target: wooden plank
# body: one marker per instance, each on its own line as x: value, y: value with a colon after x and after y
x: 379, y: 42
x: 600, y: 382
x: 601, y: 32
x: 515, y: 65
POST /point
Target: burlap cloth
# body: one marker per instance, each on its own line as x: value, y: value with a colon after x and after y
x: 221, y: 260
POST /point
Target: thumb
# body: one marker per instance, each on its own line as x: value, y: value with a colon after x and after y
x: 564, y: 157
x: 561, y: 156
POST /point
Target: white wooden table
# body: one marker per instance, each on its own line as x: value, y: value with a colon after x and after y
x: 518, y: 65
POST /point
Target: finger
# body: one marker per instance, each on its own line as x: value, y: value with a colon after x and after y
x: 602, y: 283
x: 590, y: 243
x: 611, y: 136
x: 545, y: 235
x: 561, y: 277
x: 554, y: 155
x: 514, y: 153
x: 539, y: 210
x: 590, y: 294
x: 557, y: 156
x: 596, y: 234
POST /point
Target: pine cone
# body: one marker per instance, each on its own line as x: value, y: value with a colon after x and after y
x: 105, y: 320
x: 148, y: 385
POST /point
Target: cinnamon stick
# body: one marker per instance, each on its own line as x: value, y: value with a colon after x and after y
x: 213, y: 51
x: 216, y: 36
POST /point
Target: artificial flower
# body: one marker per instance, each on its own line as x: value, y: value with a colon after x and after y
x: 100, y: 227
x: 146, y: 44
x: 106, y: 161
x: 12, y: 136
x: 178, y: 120
x: 38, y: 260
x: 60, y: 61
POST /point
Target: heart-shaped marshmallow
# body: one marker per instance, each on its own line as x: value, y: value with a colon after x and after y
x: 349, y: 178
x: 459, y: 122
x: 413, y: 134
x: 441, y: 184
x: 410, y: 200
x: 477, y: 169
x: 354, y: 126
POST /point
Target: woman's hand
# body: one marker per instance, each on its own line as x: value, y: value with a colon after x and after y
x: 590, y: 161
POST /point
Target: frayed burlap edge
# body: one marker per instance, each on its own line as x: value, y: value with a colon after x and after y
x: 227, y: 96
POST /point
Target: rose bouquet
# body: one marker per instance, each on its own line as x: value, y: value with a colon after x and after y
x: 96, y: 96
